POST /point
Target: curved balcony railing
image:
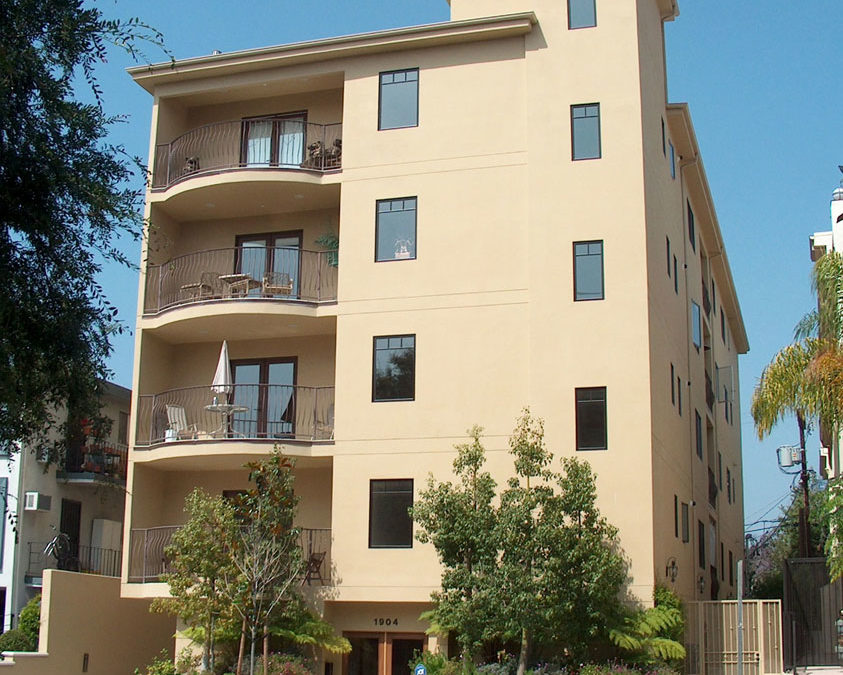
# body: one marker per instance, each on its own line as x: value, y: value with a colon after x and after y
x: 249, y: 412
x: 148, y: 559
x: 242, y: 273
x: 257, y: 143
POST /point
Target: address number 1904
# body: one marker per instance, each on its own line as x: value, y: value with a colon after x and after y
x: 380, y: 621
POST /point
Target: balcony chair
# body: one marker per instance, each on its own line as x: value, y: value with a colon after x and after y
x: 206, y: 288
x: 314, y: 568
x: 277, y: 283
x: 178, y: 423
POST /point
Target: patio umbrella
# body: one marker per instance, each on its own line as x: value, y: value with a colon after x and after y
x: 223, y: 384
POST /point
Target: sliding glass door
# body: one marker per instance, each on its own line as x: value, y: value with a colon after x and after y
x: 267, y: 388
x: 278, y: 252
x: 277, y: 141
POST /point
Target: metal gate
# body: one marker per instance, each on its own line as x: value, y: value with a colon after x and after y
x: 812, y: 605
x: 711, y: 637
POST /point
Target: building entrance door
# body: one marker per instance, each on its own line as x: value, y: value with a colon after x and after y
x: 382, y: 653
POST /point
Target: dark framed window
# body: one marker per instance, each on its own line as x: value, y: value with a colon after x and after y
x: 591, y: 418
x: 276, y: 141
x: 672, y: 384
x: 672, y: 159
x: 390, y: 525
x: 585, y: 131
x: 731, y: 570
x: 582, y: 14
x: 664, y: 139
x: 701, y: 544
x: 398, y: 104
x: 696, y: 325
x: 698, y: 433
x: 588, y: 270
x: 272, y: 258
x: 395, y: 229
x: 720, y: 470
x: 676, y: 516
x: 722, y: 325
x: 729, y: 485
x: 679, y: 394
x: 692, y: 227
x: 394, y: 368
x: 667, y: 250
x: 267, y: 389
x: 675, y: 276
x: 686, y: 524
x: 722, y: 563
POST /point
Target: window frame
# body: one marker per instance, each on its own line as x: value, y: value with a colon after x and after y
x: 588, y: 25
x: 577, y: 391
x: 701, y: 534
x: 692, y: 226
x: 685, y: 516
x: 599, y: 154
x: 374, y: 366
x: 415, y: 242
x: 602, y: 268
x: 672, y: 159
x: 698, y: 434
x: 696, y: 325
x: 381, y: 84
x: 372, y: 482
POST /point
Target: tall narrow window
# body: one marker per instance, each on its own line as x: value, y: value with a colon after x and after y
x: 699, y: 433
x: 394, y: 368
x: 701, y: 544
x: 664, y: 140
x: 588, y: 270
x: 676, y: 516
x: 399, y: 99
x: 390, y: 525
x: 696, y: 325
x: 672, y: 159
x: 686, y: 523
x: 731, y: 570
x: 667, y: 251
x: 729, y: 485
x: 675, y: 276
x: 395, y: 229
x: 722, y: 563
x: 722, y: 325
x: 585, y: 131
x: 582, y: 14
x: 672, y: 385
x: 679, y: 394
x: 720, y: 470
x: 591, y: 418
x: 692, y: 228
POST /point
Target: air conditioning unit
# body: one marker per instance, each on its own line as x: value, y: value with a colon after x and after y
x: 825, y: 463
x: 36, y: 501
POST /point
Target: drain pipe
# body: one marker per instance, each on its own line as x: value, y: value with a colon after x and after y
x: 740, y: 617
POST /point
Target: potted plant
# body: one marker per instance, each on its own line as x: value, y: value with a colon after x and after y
x: 402, y: 248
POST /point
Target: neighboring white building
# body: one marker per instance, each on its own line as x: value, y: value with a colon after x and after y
x: 82, y: 495
x: 822, y: 243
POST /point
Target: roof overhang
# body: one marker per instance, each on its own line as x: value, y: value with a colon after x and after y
x: 669, y: 9
x: 693, y: 171
x: 399, y: 39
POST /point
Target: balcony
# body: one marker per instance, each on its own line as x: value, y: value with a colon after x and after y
x: 272, y: 412
x: 242, y: 273
x: 709, y: 393
x: 148, y: 558
x: 262, y: 143
x: 90, y: 560
x: 94, y: 462
x: 712, y: 489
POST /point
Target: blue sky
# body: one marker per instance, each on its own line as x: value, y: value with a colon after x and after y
x: 763, y: 83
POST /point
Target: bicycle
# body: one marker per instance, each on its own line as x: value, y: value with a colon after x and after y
x: 61, y: 548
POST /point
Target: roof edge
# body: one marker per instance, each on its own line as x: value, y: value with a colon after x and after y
x: 483, y: 28
x: 692, y: 164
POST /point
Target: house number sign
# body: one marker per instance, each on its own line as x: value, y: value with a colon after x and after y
x: 380, y: 621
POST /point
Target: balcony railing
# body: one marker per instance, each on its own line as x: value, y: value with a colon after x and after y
x: 709, y: 392
x: 257, y: 143
x: 242, y: 273
x: 90, y: 560
x: 99, y: 458
x: 148, y: 559
x: 249, y: 412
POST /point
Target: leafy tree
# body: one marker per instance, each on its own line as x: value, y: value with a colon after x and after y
x: 65, y: 199
x: 201, y: 556
x: 460, y: 521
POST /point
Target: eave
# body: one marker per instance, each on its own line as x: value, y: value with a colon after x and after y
x: 398, y: 39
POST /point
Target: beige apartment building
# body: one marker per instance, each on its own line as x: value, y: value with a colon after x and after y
x: 404, y: 233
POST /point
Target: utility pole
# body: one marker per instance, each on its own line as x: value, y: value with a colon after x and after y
x: 805, y: 511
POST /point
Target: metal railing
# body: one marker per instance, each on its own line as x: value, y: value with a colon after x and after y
x: 257, y: 143
x: 148, y: 558
x: 242, y: 273
x: 103, y: 458
x: 709, y: 392
x: 91, y: 560
x: 249, y: 412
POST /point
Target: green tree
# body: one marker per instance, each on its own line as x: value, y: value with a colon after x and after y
x: 460, y: 521
x: 201, y: 557
x: 65, y: 199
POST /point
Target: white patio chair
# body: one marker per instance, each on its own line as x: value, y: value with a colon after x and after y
x: 177, y: 419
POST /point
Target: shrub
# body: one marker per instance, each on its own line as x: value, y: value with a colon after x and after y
x: 29, y: 622
x: 436, y: 664
x: 508, y: 666
x: 281, y: 663
x: 15, y: 640
x: 160, y: 665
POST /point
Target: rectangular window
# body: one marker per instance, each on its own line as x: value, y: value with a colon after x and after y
x: 390, y: 525
x: 729, y: 485
x: 394, y: 368
x: 672, y: 384
x: 591, y: 418
x: 664, y: 140
x: 399, y: 99
x: 676, y: 516
x: 722, y: 563
x: 672, y: 159
x: 679, y: 394
x: 692, y: 228
x: 722, y: 325
x: 699, y: 433
x: 731, y: 570
x: 686, y: 524
x: 395, y: 229
x: 667, y: 250
x: 588, y: 270
x: 696, y: 325
x: 582, y: 14
x: 585, y: 131
x: 701, y: 544
x: 720, y: 470
x: 675, y: 276
x: 713, y: 295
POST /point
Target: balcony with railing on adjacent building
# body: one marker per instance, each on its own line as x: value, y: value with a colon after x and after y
x: 242, y: 273
x: 259, y: 143
x: 250, y: 412
x: 87, y: 559
x: 94, y: 462
x: 148, y: 558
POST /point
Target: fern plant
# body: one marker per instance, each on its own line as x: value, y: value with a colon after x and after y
x: 653, y: 635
